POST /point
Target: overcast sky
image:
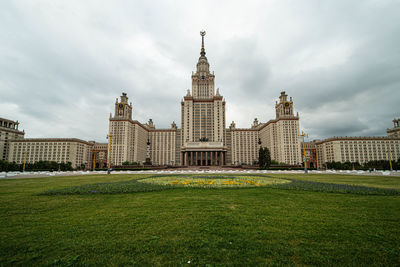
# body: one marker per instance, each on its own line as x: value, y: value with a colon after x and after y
x: 63, y: 63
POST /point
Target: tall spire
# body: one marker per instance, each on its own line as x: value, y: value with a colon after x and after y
x: 203, y: 51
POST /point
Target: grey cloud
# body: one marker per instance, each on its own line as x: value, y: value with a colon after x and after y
x: 63, y: 64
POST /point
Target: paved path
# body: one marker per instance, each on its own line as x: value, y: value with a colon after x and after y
x: 14, y: 175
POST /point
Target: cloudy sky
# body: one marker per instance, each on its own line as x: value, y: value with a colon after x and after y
x: 63, y: 63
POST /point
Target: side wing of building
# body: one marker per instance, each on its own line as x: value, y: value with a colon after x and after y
x: 65, y: 150
x: 280, y: 136
x: 163, y: 147
x: 358, y: 149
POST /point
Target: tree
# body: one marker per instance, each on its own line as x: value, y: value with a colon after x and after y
x: 264, y: 158
x: 6, y: 166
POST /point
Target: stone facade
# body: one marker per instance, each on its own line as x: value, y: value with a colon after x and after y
x: 353, y: 149
x: 31, y: 150
x: 8, y: 131
x: 99, y: 157
x: 310, y: 150
x: 203, y: 139
x: 358, y: 149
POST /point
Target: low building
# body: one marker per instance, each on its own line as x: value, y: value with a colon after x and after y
x: 99, y: 156
x: 310, y: 150
x: 358, y: 149
x: 8, y: 131
x: 31, y: 150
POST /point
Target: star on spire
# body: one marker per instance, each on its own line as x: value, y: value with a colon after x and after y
x: 203, y: 51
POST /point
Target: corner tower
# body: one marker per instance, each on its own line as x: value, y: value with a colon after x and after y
x: 284, y: 109
x: 123, y: 110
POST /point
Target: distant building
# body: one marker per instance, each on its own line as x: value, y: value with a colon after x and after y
x: 358, y: 149
x: 310, y: 150
x: 8, y: 131
x: 99, y: 157
x: 31, y: 150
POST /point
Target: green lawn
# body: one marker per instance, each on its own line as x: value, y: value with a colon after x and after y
x: 375, y: 181
x: 249, y: 226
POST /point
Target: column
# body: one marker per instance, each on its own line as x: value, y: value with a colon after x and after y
x: 191, y: 158
x: 223, y: 158
x: 206, y: 158
x: 196, y: 158
x: 211, y: 158
x: 201, y: 158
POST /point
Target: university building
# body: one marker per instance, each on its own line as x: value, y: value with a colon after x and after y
x: 82, y: 154
x: 203, y: 139
x: 31, y: 150
x: 359, y: 149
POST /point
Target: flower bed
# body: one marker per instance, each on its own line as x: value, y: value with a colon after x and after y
x: 213, y: 181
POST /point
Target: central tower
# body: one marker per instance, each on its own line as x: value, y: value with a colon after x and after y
x: 203, y: 79
x: 203, y: 117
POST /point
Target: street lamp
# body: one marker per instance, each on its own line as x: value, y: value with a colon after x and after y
x: 109, y: 151
x: 259, y: 148
x: 304, y: 151
x: 390, y: 159
x: 23, y: 167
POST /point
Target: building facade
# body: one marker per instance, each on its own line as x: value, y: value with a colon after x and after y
x: 31, y: 150
x: 354, y: 149
x: 310, y: 152
x: 99, y: 157
x: 203, y: 139
x: 358, y: 149
x: 8, y: 131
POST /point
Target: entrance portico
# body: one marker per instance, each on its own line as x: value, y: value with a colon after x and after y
x: 203, y: 158
x: 203, y: 154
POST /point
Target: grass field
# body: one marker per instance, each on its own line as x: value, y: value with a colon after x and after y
x: 198, y: 226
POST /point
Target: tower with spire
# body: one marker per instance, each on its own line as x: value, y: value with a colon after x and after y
x: 203, y: 79
x: 203, y: 139
x: 203, y: 112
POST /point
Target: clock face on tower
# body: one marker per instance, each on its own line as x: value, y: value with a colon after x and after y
x: 203, y: 77
x: 286, y: 104
x: 120, y: 105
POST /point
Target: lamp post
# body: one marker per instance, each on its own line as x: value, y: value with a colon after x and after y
x: 109, y: 151
x: 316, y: 152
x: 304, y: 151
x: 23, y: 167
x: 259, y: 147
x: 94, y: 160
x: 390, y: 159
